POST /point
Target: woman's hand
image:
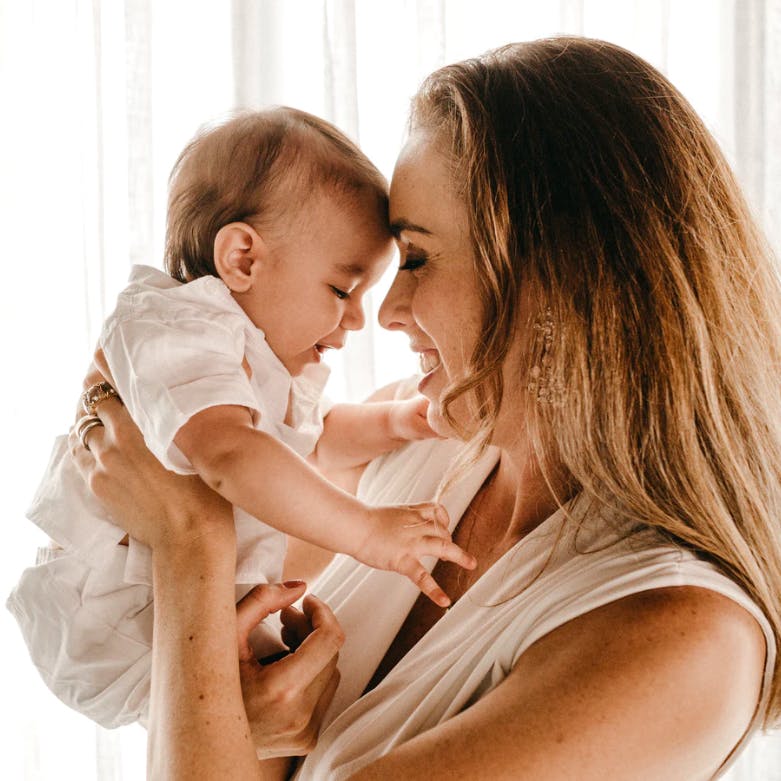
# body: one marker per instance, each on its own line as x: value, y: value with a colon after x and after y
x: 286, y: 700
x: 153, y: 505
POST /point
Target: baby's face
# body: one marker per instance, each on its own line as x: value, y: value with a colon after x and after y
x: 311, y: 292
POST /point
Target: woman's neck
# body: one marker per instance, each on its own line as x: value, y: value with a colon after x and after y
x: 518, y: 496
x: 512, y: 501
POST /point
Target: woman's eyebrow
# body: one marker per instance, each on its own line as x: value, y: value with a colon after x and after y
x: 402, y: 224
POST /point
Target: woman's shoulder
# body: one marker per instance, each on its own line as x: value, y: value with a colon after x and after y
x: 692, y: 623
x: 591, y: 563
x: 670, y: 629
x: 681, y: 650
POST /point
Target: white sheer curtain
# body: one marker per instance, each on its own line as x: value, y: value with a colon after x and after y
x: 98, y: 98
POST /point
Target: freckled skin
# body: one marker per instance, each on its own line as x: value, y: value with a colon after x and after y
x: 635, y: 689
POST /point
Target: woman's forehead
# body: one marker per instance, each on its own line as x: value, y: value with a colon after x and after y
x: 423, y: 193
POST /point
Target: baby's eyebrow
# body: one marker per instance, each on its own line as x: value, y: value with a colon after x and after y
x: 351, y: 269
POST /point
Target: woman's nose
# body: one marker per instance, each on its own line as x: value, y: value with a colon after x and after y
x: 394, y: 311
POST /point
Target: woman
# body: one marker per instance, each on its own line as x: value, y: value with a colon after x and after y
x: 594, y: 312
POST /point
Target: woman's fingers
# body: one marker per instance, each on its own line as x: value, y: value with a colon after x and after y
x: 118, y: 422
x: 98, y: 371
x: 319, y: 695
x: 260, y: 602
x: 320, y: 646
x: 295, y: 627
x: 288, y: 724
x: 151, y: 503
x: 317, y: 652
x: 286, y: 700
x: 79, y: 453
x: 322, y: 637
x: 328, y: 694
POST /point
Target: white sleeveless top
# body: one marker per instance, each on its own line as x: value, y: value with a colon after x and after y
x: 478, y: 641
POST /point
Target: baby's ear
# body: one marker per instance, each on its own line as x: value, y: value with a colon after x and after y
x: 237, y: 248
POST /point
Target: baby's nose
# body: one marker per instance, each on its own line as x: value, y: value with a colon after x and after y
x: 354, y: 317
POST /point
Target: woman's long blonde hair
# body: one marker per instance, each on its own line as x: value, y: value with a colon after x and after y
x: 610, y: 235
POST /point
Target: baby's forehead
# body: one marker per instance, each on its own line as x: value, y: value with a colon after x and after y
x: 363, y: 271
x: 305, y: 202
x: 364, y: 208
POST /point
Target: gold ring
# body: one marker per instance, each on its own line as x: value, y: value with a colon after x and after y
x: 95, y: 394
x: 85, y: 425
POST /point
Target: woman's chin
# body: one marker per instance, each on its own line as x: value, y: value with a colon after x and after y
x: 439, y: 423
x: 465, y: 427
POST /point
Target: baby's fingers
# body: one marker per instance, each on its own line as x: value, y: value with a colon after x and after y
x: 444, y: 548
x: 423, y: 579
x: 435, y: 515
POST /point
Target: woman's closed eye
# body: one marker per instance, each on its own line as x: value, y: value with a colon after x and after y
x: 411, y: 262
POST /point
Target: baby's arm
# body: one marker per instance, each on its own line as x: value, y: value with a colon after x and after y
x: 263, y: 476
x: 354, y: 434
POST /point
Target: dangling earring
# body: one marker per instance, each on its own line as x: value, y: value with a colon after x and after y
x: 542, y: 385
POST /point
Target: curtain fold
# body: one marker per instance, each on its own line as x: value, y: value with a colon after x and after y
x: 340, y: 89
x: 140, y: 142
x: 771, y: 154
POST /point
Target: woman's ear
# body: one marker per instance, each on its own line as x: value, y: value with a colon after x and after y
x: 238, y: 247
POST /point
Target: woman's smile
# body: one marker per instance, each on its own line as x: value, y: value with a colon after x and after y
x: 430, y: 361
x: 436, y: 277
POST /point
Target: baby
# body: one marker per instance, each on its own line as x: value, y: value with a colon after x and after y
x: 277, y: 227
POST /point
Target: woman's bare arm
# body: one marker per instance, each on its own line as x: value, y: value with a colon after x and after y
x: 198, y: 727
x: 198, y: 723
x: 633, y: 690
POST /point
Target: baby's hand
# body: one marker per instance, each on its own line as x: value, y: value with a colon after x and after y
x: 398, y: 537
x: 408, y: 419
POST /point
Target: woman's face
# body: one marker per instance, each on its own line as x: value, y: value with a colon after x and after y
x: 433, y: 298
